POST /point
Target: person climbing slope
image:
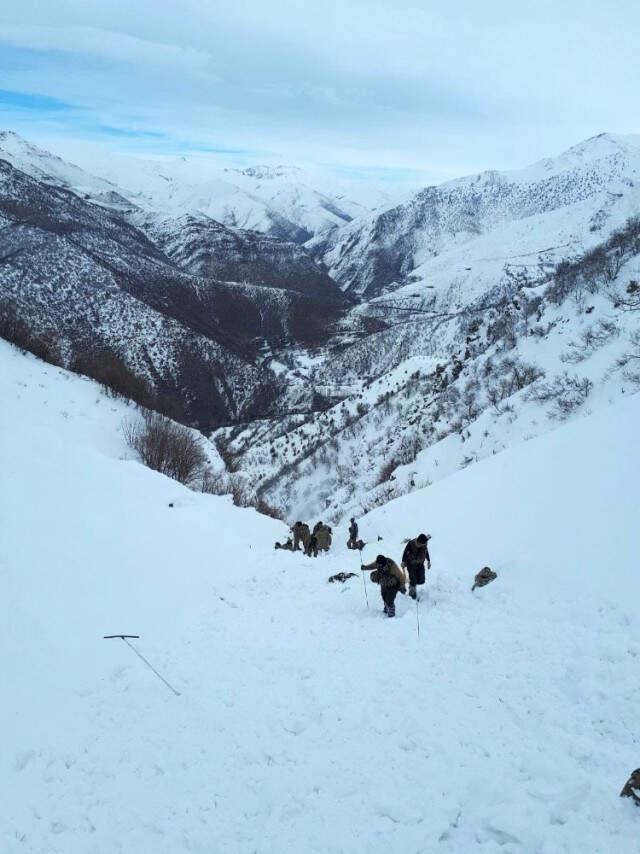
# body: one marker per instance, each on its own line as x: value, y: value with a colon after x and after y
x: 391, y: 579
x: 353, y: 534
x: 416, y: 552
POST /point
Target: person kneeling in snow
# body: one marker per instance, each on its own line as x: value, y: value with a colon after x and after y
x: 391, y: 579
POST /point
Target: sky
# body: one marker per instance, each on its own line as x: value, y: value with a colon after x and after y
x: 394, y: 92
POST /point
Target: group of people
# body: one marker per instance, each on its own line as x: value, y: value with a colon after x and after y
x: 312, y: 541
x: 394, y: 579
x: 385, y: 572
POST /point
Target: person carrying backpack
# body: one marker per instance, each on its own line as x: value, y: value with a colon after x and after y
x: 391, y: 579
x: 415, y: 554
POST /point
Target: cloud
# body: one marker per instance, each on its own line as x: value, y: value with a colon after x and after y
x: 430, y: 90
x: 107, y: 45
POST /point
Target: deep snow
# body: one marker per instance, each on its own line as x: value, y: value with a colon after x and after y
x: 307, y: 722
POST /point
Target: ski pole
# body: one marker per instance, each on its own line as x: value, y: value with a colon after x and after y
x: 149, y: 665
x: 417, y: 616
x: 364, y: 581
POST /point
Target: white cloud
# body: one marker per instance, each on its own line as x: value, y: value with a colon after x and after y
x: 392, y: 85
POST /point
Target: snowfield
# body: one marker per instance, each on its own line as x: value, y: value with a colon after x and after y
x: 307, y: 722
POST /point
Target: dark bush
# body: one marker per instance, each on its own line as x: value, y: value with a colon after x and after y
x: 111, y: 371
x: 17, y: 332
x: 167, y: 447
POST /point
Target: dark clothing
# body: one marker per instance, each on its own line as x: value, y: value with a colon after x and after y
x: 416, y: 573
x: 389, y: 598
x: 415, y: 553
x: 311, y: 549
x: 413, y: 557
x: 352, y: 542
x: 632, y: 788
x: 301, y: 534
x: 288, y: 546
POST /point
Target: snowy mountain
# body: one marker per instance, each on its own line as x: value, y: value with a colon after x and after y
x: 455, y: 237
x: 512, y: 714
x: 483, y: 312
x: 204, y: 247
x: 527, y: 293
x: 281, y: 201
x: 187, y: 305
x: 44, y: 166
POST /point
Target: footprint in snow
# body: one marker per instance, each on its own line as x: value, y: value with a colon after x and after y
x: 22, y: 759
x: 295, y: 727
x: 118, y: 673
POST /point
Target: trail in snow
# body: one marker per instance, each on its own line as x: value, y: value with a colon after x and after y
x: 307, y: 722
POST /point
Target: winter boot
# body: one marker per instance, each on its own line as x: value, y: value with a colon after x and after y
x: 412, y: 591
x: 391, y: 610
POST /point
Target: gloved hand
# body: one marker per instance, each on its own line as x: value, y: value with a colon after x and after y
x: 428, y: 564
x: 403, y: 590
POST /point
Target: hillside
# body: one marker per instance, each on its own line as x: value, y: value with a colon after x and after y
x: 450, y: 241
x: 507, y: 725
x: 187, y: 306
x: 286, y: 202
x: 375, y: 359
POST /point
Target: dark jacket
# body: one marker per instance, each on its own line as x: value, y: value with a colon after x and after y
x: 415, y: 553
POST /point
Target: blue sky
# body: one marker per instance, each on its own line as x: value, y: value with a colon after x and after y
x: 395, y: 91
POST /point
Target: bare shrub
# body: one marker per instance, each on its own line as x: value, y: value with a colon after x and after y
x: 408, y: 449
x: 507, y: 377
x: 267, y: 509
x: 566, y: 393
x: 629, y: 300
x: 631, y: 359
x: 167, y: 447
x: 593, y: 337
x: 386, y: 471
x: 18, y: 333
x: 111, y: 371
x: 598, y: 267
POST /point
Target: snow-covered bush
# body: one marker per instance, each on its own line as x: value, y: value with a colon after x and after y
x: 565, y: 392
x: 593, y: 337
x: 508, y: 376
x: 630, y: 360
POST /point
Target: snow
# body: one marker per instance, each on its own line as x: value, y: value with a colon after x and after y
x: 307, y: 722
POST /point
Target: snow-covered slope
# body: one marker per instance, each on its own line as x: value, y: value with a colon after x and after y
x: 435, y: 393
x: 45, y: 166
x: 283, y: 201
x: 450, y: 242
x: 305, y: 721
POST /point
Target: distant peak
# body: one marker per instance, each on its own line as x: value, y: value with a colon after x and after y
x: 6, y: 135
x: 267, y: 173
